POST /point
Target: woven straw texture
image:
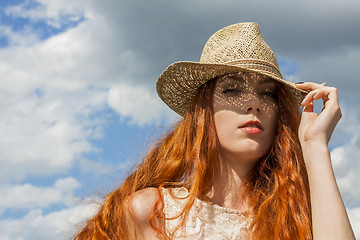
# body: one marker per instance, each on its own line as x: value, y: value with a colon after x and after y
x: 235, y: 48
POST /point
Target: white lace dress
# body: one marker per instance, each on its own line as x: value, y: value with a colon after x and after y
x: 205, y: 221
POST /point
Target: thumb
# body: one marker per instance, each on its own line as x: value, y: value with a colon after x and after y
x: 309, y: 108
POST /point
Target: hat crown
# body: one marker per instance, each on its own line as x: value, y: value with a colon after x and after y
x: 239, y: 44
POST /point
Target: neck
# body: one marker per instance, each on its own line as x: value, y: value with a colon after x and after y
x: 229, y: 183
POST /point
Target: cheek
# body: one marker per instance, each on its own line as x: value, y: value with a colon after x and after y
x: 220, y: 124
x: 223, y: 124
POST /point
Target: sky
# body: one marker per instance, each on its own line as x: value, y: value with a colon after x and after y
x: 78, y: 104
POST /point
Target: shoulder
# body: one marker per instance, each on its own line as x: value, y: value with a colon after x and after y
x: 143, y: 203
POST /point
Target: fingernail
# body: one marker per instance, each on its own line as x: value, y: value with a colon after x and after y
x: 299, y: 82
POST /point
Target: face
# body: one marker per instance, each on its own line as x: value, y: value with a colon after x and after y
x: 245, y: 115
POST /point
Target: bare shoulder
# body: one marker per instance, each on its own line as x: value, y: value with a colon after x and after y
x: 142, y: 204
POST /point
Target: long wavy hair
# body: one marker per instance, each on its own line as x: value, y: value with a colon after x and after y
x: 277, y: 190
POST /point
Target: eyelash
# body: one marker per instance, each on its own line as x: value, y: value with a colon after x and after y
x: 230, y: 90
x: 266, y: 93
x: 269, y: 94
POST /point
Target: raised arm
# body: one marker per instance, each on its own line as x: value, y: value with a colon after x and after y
x: 329, y: 217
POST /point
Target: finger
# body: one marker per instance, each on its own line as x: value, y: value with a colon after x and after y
x: 321, y: 93
x: 309, y: 98
x: 309, y: 107
x: 308, y: 86
x: 325, y: 93
x: 330, y: 100
x: 333, y: 94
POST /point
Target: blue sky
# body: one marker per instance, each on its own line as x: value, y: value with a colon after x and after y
x: 78, y: 100
x: 22, y: 23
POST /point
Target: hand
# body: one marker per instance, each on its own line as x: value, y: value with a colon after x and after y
x: 314, y: 127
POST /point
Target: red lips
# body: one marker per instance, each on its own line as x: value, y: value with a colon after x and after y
x: 252, y: 127
x: 252, y: 124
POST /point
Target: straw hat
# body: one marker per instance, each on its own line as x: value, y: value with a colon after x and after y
x: 235, y: 48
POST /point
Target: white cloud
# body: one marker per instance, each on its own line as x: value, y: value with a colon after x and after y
x: 354, y: 216
x: 51, y: 104
x: 59, y: 225
x: 37, y: 224
x: 137, y: 103
x: 345, y: 156
x: 52, y: 90
x: 347, y: 168
x: 28, y: 196
x: 45, y: 135
x: 24, y: 37
x: 54, y: 12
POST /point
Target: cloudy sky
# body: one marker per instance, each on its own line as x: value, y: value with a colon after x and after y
x: 77, y: 96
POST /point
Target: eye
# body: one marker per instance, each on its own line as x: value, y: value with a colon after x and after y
x: 230, y: 90
x: 269, y: 93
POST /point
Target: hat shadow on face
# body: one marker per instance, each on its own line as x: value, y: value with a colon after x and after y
x: 245, y: 93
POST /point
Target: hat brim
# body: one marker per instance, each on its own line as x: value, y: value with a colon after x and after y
x: 179, y: 82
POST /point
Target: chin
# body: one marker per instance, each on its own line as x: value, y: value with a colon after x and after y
x: 251, y: 155
x: 244, y: 154
x: 248, y: 151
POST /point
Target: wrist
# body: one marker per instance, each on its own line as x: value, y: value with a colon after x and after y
x: 315, y: 153
x: 312, y: 145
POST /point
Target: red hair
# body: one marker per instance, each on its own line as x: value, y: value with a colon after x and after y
x: 277, y: 190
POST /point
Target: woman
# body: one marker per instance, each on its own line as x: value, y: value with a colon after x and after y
x: 241, y: 164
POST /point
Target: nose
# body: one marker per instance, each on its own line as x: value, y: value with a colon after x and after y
x: 253, y: 104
